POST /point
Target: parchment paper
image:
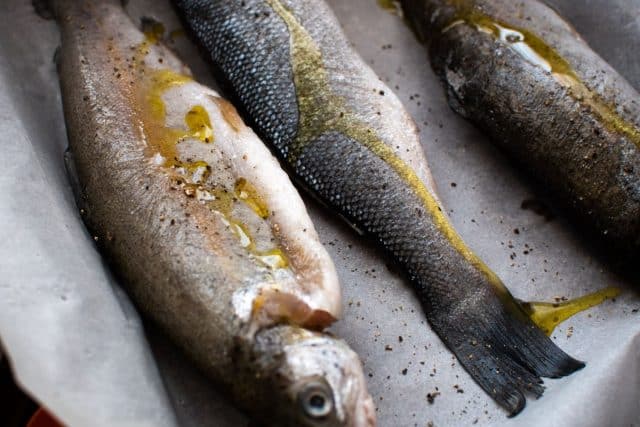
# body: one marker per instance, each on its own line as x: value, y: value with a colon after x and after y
x: 78, y: 346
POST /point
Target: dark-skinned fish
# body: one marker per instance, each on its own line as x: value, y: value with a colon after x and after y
x: 347, y: 139
x: 522, y: 74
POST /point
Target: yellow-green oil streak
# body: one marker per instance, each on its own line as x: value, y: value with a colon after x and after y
x: 549, y: 315
x: 321, y: 111
x: 391, y: 6
x: 535, y: 50
x: 162, y: 140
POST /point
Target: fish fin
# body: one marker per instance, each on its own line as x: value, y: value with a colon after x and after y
x: 352, y: 225
x: 505, y: 353
x: 74, y: 181
x: 56, y: 56
x: 43, y: 8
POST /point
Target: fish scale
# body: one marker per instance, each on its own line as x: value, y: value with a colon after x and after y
x: 271, y: 102
x: 354, y: 147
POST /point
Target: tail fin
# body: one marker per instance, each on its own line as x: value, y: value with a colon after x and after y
x: 505, y: 353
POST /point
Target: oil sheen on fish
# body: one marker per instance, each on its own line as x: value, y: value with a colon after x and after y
x: 208, y: 233
x: 348, y: 140
x: 523, y: 75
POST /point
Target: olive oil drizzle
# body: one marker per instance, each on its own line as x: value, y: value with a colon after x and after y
x: 549, y: 315
x: 153, y: 85
x: 536, y: 51
x: 322, y: 111
x: 191, y: 176
x: 391, y: 6
x: 153, y: 111
x: 197, y: 119
x: 246, y: 192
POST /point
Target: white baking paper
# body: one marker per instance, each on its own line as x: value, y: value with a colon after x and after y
x: 78, y: 346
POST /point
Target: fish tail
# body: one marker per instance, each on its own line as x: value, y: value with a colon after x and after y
x: 506, y: 354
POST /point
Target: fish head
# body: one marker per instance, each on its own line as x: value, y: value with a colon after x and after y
x: 321, y: 383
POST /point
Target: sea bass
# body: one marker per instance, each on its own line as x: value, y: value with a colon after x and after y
x: 523, y: 75
x: 208, y: 233
x: 348, y: 140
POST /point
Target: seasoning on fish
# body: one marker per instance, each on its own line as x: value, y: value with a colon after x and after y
x: 350, y: 142
x: 523, y: 75
x: 196, y: 216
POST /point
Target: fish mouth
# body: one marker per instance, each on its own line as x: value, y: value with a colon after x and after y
x: 363, y: 410
x: 365, y: 413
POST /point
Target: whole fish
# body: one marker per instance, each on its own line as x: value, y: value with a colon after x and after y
x: 523, y: 75
x: 209, y: 234
x: 348, y: 140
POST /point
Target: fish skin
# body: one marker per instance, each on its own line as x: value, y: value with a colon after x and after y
x: 586, y: 160
x: 346, y: 138
x: 179, y: 260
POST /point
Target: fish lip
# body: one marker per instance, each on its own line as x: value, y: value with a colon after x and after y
x: 361, y: 411
x: 365, y: 415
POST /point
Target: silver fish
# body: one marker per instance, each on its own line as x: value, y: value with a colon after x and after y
x: 198, y: 219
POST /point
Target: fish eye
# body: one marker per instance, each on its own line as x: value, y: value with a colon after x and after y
x: 316, y: 400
